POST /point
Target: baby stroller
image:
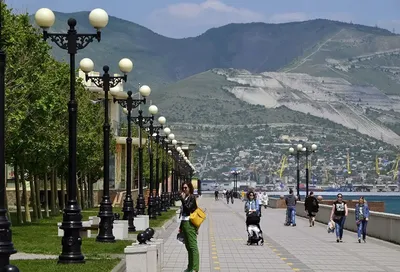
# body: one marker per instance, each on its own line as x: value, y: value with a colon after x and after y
x: 254, y: 231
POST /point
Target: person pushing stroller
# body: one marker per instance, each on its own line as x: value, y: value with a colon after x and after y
x: 252, y: 210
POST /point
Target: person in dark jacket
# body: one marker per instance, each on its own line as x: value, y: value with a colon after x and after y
x: 338, y: 215
x: 362, y: 216
x: 291, y: 201
x: 311, y: 207
x: 189, y: 205
x: 228, y: 196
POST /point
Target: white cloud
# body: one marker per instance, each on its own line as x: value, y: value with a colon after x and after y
x: 181, y: 17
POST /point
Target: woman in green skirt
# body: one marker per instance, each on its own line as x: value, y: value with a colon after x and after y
x: 189, y: 205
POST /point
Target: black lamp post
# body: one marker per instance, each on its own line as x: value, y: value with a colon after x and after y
x: 164, y: 144
x: 171, y: 137
x: 140, y: 121
x: 6, y: 244
x: 184, y: 166
x: 152, y: 201
x: 297, y: 152
x: 158, y: 199
x: 168, y: 194
x: 129, y: 104
x: 235, y: 173
x: 173, y: 187
x: 106, y: 82
x: 308, y: 150
x: 72, y: 42
x: 163, y: 208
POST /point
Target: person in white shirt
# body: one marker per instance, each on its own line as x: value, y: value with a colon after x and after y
x: 264, y: 199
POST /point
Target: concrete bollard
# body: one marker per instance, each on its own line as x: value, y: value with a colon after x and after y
x: 120, y: 229
x: 141, y: 258
x: 60, y: 232
x: 83, y: 233
x: 142, y: 222
x: 159, y: 243
x: 94, y: 220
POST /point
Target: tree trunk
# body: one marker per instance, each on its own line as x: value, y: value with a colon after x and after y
x: 78, y: 191
x: 37, y: 194
x: 46, y: 196
x: 56, y: 191
x: 90, y: 191
x: 62, y: 200
x: 27, y: 217
x: 17, y: 194
x: 33, y: 197
x: 85, y: 192
x: 6, y: 203
x: 53, y: 193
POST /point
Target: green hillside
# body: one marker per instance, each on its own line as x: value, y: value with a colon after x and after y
x: 202, y: 99
x: 361, y: 57
x: 159, y: 60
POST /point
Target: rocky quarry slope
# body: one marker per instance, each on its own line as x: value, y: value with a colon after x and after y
x: 331, y: 98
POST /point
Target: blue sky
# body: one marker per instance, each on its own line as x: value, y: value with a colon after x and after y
x: 183, y: 18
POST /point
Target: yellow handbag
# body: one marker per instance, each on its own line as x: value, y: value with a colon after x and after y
x: 197, y: 217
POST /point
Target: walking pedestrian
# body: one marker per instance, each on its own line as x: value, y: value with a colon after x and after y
x: 227, y: 195
x: 362, y: 216
x: 311, y: 207
x: 264, y: 199
x: 189, y: 205
x: 216, y: 194
x: 291, y: 201
x: 231, y: 195
x: 338, y: 215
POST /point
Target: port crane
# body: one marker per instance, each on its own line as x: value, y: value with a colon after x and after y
x: 348, y: 163
x: 395, y: 168
x: 377, y: 170
x: 283, y: 163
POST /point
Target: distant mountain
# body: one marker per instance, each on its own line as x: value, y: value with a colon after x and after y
x: 256, y: 47
x: 317, y: 72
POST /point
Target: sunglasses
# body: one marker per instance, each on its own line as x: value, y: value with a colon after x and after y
x: 184, y: 188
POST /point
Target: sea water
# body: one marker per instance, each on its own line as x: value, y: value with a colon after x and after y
x: 392, y: 202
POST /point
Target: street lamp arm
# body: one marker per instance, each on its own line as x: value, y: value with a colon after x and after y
x: 113, y: 82
x: 61, y: 39
x: 135, y: 102
x: 145, y: 120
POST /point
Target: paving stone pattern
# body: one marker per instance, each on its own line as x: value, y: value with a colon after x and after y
x: 222, y: 244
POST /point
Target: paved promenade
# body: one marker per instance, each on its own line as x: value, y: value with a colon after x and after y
x: 222, y: 244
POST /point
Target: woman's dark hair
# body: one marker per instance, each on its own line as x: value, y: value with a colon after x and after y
x: 250, y: 192
x: 339, y: 194
x: 189, y: 185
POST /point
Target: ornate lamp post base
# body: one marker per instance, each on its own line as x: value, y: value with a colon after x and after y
x: 71, y: 241
x: 129, y: 213
x: 158, y: 205
x: 106, y: 222
x: 163, y: 202
x: 140, y: 205
x: 152, y: 207
x: 172, y: 199
x: 167, y: 200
